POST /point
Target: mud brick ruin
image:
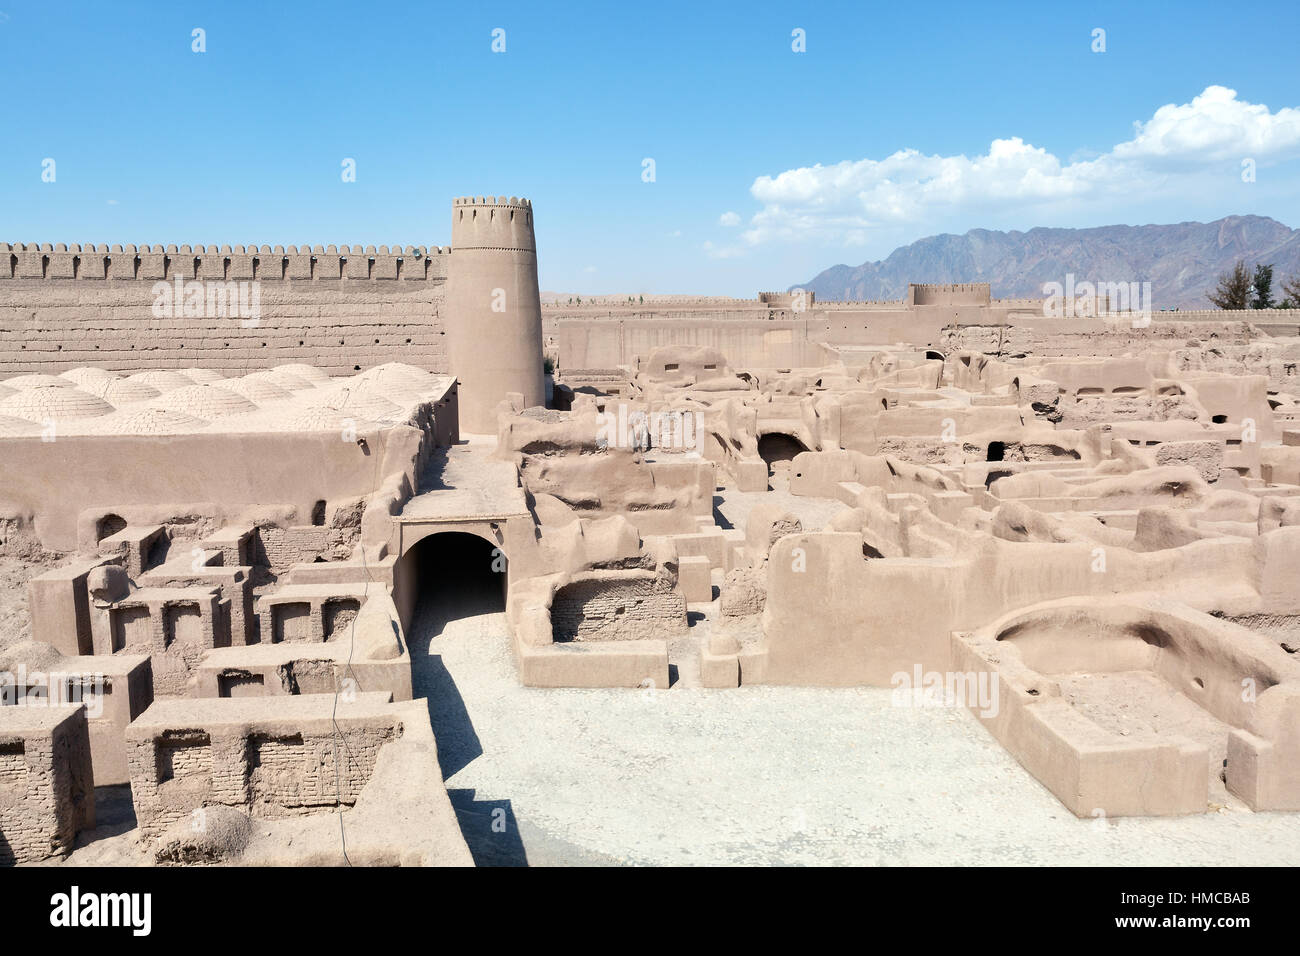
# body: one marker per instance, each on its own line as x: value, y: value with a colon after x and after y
x: 232, y: 523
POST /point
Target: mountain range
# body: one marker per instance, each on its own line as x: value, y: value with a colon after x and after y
x: 1182, y: 261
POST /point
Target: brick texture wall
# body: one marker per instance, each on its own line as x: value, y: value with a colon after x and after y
x: 617, y: 605
x: 52, y: 325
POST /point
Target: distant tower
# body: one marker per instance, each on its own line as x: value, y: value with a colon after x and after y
x: 494, y: 310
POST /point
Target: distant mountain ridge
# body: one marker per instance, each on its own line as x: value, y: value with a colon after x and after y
x: 1182, y: 261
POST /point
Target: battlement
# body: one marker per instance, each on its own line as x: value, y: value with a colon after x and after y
x: 957, y: 293
x: 221, y: 263
x: 492, y: 201
x: 786, y: 300
x: 492, y: 224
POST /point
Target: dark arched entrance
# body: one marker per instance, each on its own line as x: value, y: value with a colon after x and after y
x: 777, y: 446
x: 449, y: 576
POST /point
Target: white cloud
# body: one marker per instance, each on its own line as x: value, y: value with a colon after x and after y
x: 846, y: 201
x: 589, y: 269
x: 729, y: 219
x: 1214, y: 126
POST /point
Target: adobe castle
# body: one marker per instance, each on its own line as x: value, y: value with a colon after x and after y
x: 338, y: 308
x: 247, y: 521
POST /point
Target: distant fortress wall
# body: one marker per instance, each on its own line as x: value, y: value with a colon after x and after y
x: 339, y: 308
x: 753, y: 333
x: 963, y: 293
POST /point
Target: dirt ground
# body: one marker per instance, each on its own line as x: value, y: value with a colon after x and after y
x: 763, y: 776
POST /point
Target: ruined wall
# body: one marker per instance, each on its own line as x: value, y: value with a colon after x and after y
x: 46, y: 793
x: 116, y: 472
x: 338, y: 308
x: 617, y: 606
x: 274, y: 757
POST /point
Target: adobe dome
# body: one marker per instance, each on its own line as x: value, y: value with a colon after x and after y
x: 87, y: 375
x: 155, y: 421
x: 21, y: 382
x: 124, y: 391
x: 288, y: 380
x: 208, y: 402
x: 54, y: 403
x: 165, y: 380
x: 307, y: 373
x: 258, y: 390
x: 9, y: 425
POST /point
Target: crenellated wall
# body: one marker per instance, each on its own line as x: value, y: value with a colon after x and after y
x: 341, y: 308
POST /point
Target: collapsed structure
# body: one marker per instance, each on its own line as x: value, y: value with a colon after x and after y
x: 1087, y: 531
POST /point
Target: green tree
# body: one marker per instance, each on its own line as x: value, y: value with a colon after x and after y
x: 1233, y: 290
x: 1263, y: 286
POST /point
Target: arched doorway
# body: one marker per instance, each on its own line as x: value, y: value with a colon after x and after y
x: 447, y: 577
x: 778, y: 450
x: 778, y: 446
x: 108, y: 525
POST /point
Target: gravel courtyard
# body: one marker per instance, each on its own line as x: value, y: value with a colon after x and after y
x: 761, y: 775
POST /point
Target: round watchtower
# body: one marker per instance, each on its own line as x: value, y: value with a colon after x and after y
x: 494, y: 311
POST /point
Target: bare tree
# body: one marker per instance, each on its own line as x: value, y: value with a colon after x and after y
x: 1233, y: 291
x: 1291, y: 291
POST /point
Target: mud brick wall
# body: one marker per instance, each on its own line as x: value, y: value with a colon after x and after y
x: 339, y: 310
x: 269, y: 770
x: 46, y: 788
x: 175, y: 634
x: 278, y: 548
x: 617, y: 606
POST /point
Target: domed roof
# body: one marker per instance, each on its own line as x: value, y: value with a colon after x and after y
x: 391, y: 373
x: 208, y: 402
x: 308, y: 373
x: 124, y: 391
x: 287, y: 380
x: 156, y: 421
x: 9, y: 425
x: 260, y: 391
x: 202, y: 376
x: 322, y: 419
x: 87, y: 375
x: 361, y: 400
x: 54, y: 403
x: 37, y: 380
x: 165, y: 380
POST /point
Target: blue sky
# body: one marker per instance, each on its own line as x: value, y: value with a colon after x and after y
x: 899, y: 121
